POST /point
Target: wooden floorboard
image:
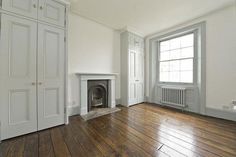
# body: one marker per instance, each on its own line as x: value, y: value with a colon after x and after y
x: 140, y: 131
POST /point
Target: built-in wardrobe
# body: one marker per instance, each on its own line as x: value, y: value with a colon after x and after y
x: 132, y: 68
x: 32, y: 65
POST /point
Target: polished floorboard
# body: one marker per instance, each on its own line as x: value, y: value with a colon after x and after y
x: 140, y: 131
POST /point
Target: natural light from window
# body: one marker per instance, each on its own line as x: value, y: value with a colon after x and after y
x: 176, y: 59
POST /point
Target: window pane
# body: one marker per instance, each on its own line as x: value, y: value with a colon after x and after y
x: 164, y: 67
x: 187, y: 52
x: 174, y: 77
x: 165, y: 46
x: 187, y: 40
x: 174, y: 66
x: 186, y: 65
x: 186, y: 76
x: 164, y: 76
x: 175, y: 54
x: 175, y: 43
x: 165, y: 56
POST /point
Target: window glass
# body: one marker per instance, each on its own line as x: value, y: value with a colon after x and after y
x: 176, y: 59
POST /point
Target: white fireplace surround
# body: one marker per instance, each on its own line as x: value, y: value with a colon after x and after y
x: 83, y: 85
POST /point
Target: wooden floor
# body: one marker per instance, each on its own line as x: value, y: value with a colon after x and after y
x: 143, y: 130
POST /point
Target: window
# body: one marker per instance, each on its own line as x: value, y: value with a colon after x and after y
x: 176, y: 56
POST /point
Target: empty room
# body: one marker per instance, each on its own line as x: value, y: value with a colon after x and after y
x: 117, y: 78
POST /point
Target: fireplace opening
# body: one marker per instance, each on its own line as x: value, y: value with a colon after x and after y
x: 97, y: 94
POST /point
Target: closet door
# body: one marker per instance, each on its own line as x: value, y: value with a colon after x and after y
x: 52, y: 12
x: 17, y: 76
x: 23, y: 7
x: 136, y: 70
x: 140, y: 77
x: 51, y: 55
x: 132, y: 78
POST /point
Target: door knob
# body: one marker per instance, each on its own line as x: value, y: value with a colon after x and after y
x: 34, y: 5
x: 40, y: 83
x: 33, y: 83
x: 41, y: 7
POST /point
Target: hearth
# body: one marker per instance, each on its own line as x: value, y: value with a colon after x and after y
x: 97, y: 94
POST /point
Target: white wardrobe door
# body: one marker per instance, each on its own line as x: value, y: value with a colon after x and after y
x: 51, y: 55
x: 52, y: 12
x: 27, y: 8
x: 132, y: 77
x: 136, y: 77
x: 140, y: 77
x: 18, y: 76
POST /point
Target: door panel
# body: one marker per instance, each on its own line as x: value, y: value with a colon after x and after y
x: 18, y: 106
x: 18, y: 76
x: 52, y: 107
x: 23, y: 7
x: 132, y: 65
x: 52, y: 12
x: 132, y: 77
x: 140, y: 77
x: 132, y: 94
x: 50, y: 77
x: 140, y: 92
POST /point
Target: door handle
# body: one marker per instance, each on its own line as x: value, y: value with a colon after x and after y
x: 41, y: 7
x: 40, y: 83
x: 34, y: 6
x: 33, y: 83
x: 136, y: 80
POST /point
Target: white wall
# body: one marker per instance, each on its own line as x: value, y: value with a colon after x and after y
x: 220, y: 56
x: 92, y: 48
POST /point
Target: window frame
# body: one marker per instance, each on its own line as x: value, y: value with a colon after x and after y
x: 195, y: 47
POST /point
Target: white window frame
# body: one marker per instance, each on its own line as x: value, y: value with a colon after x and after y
x: 195, y: 46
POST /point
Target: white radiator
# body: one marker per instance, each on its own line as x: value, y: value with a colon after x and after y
x: 173, y: 96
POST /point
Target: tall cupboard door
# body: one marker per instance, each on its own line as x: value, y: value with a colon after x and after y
x: 140, y: 77
x: 51, y: 69
x: 136, y: 77
x: 132, y: 99
x: 52, y: 12
x: 18, y: 76
x: 27, y: 8
x: 136, y: 71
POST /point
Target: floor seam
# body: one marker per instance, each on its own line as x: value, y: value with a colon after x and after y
x: 160, y: 147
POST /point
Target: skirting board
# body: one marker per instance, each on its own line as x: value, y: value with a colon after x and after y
x: 229, y: 115
x: 118, y: 101
x: 73, y: 110
x: 217, y: 113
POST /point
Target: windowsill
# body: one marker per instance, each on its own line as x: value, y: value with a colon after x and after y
x: 189, y: 86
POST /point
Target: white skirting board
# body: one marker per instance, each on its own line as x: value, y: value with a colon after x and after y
x: 229, y: 115
x: 212, y: 112
x: 73, y: 110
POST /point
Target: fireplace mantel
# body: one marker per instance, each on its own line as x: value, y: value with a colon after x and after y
x: 95, y: 76
x: 83, y: 88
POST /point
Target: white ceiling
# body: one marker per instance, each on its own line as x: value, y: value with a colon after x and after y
x: 146, y: 16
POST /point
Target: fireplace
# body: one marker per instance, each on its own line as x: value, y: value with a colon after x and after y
x: 99, y: 88
x: 97, y: 94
